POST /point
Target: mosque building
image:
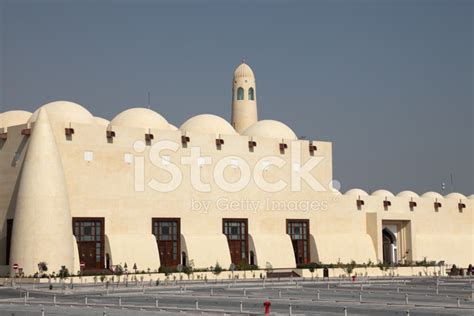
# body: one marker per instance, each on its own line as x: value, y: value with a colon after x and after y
x: 81, y: 190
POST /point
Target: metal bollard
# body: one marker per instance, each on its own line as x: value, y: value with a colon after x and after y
x: 104, y: 313
x: 85, y: 300
x: 120, y: 301
x: 290, y: 309
x: 156, y: 302
x: 458, y: 302
x: 197, y: 304
x: 318, y: 294
x: 241, y: 306
x: 360, y: 297
x: 328, y: 285
x: 42, y: 311
x: 408, y: 313
x: 54, y: 299
x: 406, y: 299
x: 398, y: 289
x: 279, y: 293
x: 212, y: 291
x: 25, y: 299
x: 345, y: 311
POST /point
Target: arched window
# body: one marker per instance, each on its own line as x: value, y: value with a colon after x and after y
x: 240, y: 93
x: 251, y: 94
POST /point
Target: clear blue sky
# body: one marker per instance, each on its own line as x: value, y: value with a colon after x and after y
x: 390, y: 83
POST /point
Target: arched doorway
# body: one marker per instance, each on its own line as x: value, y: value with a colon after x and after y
x: 389, y: 246
x: 252, y: 258
x: 184, y: 259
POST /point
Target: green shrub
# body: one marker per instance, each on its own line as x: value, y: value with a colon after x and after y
x: 349, y: 267
x: 63, y: 272
x: 246, y: 267
x: 383, y: 266
x: 454, y: 271
x: 312, y: 266
x: 217, y: 269
x: 118, y: 270
x: 166, y: 270
x: 42, y: 267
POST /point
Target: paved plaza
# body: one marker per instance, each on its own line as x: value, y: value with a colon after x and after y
x: 297, y: 296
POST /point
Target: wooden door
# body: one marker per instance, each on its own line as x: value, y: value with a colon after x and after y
x: 168, y: 238
x: 236, y: 231
x: 89, y: 233
x: 299, y: 233
x: 87, y: 254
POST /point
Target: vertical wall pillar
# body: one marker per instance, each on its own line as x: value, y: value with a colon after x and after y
x: 42, y: 229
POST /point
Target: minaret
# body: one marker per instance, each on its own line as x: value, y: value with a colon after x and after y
x: 244, y: 98
x: 42, y: 225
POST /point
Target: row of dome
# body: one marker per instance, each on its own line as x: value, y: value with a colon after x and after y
x: 409, y: 194
x: 64, y: 111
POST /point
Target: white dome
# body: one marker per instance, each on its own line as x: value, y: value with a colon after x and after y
x: 243, y: 71
x: 65, y: 111
x: 432, y: 195
x: 455, y: 196
x: 471, y: 197
x: 101, y: 121
x: 13, y: 118
x: 407, y: 194
x: 208, y: 124
x: 270, y: 129
x: 382, y: 193
x: 140, y: 118
x: 173, y: 128
x: 356, y: 192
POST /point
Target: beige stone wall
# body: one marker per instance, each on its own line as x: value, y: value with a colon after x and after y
x: 104, y: 187
x: 12, y: 153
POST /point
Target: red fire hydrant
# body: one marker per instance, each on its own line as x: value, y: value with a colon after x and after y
x: 267, y: 305
x: 354, y: 278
